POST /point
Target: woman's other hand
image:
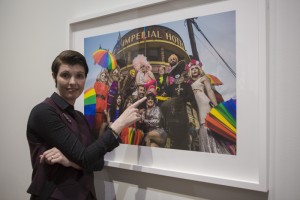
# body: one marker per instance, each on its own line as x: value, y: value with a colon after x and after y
x: 54, y: 156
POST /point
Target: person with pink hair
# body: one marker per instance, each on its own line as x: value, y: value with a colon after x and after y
x: 144, y: 74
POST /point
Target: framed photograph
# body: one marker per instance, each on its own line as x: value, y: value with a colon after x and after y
x: 202, y: 67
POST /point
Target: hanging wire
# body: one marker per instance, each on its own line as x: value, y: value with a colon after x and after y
x: 209, y: 50
x: 201, y: 32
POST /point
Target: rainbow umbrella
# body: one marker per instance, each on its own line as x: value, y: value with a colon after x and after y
x: 90, y: 106
x: 105, y: 59
x: 222, y: 120
x: 214, y: 80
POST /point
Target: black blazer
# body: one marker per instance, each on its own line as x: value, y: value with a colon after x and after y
x: 69, y: 182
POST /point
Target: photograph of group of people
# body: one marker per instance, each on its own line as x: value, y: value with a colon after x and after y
x: 184, y: 109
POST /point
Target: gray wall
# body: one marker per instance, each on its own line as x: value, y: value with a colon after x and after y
x: 34, y: 32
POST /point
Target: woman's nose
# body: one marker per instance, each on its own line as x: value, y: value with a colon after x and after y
x: 72, y: 80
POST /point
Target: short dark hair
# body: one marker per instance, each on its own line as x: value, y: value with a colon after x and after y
x: 69, y: 57
x: 151, y: 95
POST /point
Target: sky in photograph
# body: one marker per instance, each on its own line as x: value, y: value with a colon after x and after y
x: 220, y: 31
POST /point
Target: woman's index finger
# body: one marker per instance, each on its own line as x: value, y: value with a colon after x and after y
x: 137, y: 103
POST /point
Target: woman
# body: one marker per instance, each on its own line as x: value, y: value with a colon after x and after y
x: 155, y: 134
x: 115, y: 109
x: 205, y: 98
x: 162, y: 81
x: 101, y: 89
x: 64, y: 153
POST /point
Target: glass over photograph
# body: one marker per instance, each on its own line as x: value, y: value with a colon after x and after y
x: 187, y: 71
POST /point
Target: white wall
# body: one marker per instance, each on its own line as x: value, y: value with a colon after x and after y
x: 34, y: 32
x: 284, y: 46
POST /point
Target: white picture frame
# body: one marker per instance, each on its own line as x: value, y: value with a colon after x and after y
x: 247, y: 169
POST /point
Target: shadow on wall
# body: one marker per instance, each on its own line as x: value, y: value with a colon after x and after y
x: 104, y: 180
x: 104, y: 183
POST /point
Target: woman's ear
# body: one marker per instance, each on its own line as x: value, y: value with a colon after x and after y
x: 54, y: 78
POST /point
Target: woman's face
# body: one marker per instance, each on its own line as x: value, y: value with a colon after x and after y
x: 195, y: 71
x: 150, y: 102
x: 119, y: 100
x: 143, y: 68
x: 103, y: 77
x: 70, y: 82
x: 161, y: 71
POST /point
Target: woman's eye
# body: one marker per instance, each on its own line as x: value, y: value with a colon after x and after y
x: 80, y: 76
x: 65, y: 75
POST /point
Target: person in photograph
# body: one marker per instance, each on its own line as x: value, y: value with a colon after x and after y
x: 114, y: 80
x: 155, y: 135
x: 115, y: 109
x: 129, y: 85
x: 64, y: 152
x: 172, y: 60
x: 205, y: 99
x: 144, y: 74
x: 101, y: 90
x: 161, y: 85
x: 175, y: 119
x: 141, y: 92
